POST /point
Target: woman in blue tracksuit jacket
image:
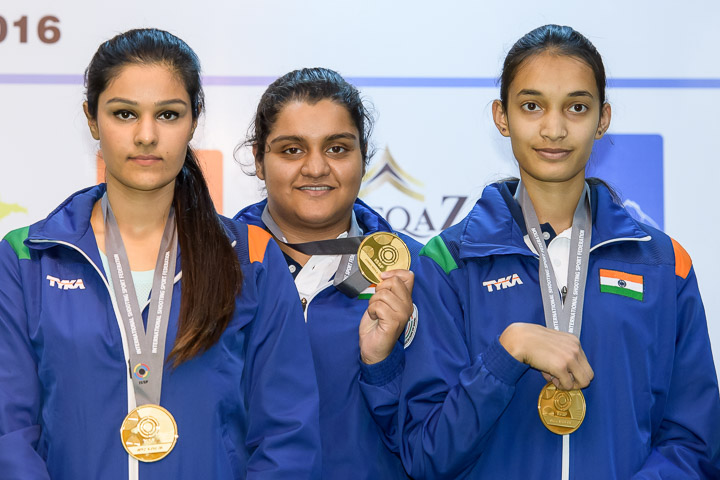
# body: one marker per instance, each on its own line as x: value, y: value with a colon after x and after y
x: 310, y: 143
x: 470, y: 394
x: 238, y: 379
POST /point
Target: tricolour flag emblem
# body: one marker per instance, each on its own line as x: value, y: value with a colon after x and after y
x: 367, y: 293
x: 621, y: 283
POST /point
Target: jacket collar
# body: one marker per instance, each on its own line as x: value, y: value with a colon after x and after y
x: 69, y: 222
x: 369, y: 220
x: 495, y: 225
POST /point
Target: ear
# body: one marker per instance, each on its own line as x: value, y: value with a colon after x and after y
x: 258, y: 164
x: 500, y: 118
x: 604, y: 122
x: 92, y: 122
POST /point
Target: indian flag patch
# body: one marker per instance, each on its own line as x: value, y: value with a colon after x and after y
x: 367, y: 293
x: 621, y: 283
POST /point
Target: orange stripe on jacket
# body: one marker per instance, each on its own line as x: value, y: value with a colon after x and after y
x: 257, y: 243
x: 683, y: 263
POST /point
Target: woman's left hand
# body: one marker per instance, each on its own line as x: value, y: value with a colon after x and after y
x: 388, y: 312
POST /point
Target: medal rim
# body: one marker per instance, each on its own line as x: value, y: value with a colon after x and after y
x: 552, y: 428
x: 361, y: 264
x: 163, y: 454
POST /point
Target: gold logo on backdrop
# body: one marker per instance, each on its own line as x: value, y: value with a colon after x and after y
x: 387, y: 170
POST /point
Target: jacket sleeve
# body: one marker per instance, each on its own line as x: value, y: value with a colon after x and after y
x: 281, y: 389
x: 450, y: 401
x: 19, y: 385
x: 380, y: 387
x: 687, y: 442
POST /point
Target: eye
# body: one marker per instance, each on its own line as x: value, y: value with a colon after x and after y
x: 337, y: 149
x: 292, y: 151
x: 124, y: 114
x: 168, y: 115
x: 530, y: 107
x: 578, y: 108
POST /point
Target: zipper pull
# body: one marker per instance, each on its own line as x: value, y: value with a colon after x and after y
x: 303, y: 301
x: 563, y: 294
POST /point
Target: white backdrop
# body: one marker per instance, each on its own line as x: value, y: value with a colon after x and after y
x: 428, y: 67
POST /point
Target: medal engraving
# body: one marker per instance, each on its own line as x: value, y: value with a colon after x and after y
x: 149, y: 433
x: 561, y: 411
x: 381, y: 252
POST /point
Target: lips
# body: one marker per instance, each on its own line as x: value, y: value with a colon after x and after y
x: 315, y: 190
x: 145, y: 159
x: 553, y: 153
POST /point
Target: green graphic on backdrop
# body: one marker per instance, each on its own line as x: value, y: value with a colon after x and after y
x: 8, y: 208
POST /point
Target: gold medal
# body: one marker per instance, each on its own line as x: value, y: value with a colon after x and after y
x: 561, y: 411
x: 149, y: 433
x: 381, y: 252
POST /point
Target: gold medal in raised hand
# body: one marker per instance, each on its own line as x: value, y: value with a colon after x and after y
x: 149, y: 433
x: 381, y: 252
x: 561, y: 411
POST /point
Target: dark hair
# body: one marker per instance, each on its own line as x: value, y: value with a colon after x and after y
x: 555, y: 39
x: 310, y: 85
x: 211, y: 271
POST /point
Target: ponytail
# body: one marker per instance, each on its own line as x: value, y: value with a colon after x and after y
x: 211, y: 274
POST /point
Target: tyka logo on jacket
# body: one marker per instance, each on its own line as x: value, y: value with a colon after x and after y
x: 503, y: 282
x: 66, y: 284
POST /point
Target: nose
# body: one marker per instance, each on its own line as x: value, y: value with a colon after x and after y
x: 553, y: 125
x: 146, y: 131
x: 315, y: 165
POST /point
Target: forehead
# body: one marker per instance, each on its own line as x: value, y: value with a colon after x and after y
x: 319, y: 119
x: 141, y: 81
x: 552, y: 73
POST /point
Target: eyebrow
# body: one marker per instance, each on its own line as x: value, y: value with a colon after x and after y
x: 159, y: 104
x: 536, y: 93
x: 298, y: 139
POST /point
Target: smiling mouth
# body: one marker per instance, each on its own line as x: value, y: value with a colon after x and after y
x: 316, y: 188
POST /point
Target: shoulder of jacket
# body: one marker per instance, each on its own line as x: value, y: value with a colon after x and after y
x: 666, y: 250
x: 444, y: 249
x: 258, y: 240
x: 16, y: 239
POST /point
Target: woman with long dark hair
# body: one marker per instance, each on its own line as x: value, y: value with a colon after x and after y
x: 142, y: 334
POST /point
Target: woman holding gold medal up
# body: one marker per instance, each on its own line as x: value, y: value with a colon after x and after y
x: 567, y: 339
x: 142, y: 335
x: 310, y: 141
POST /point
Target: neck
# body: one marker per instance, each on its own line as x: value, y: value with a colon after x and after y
x: 141, y: 218
x: 139, y: 213
x: 554, y: 202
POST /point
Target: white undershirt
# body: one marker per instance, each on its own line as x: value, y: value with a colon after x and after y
x: 317, y: 273
x: 142, y: 281
x: 559, y: 253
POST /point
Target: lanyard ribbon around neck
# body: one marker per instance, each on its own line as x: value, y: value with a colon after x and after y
x: 563, y: 316
x: 147, y: 350
x: 348, y: 278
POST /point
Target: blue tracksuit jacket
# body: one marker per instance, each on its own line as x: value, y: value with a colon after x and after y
x: 469, y: 409
x: 246, y: 408
x: 353, y: 414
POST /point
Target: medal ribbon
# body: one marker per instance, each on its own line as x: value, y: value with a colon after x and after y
x: 348, y: 278
x: 563, y: 316
x: 147, y: 351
